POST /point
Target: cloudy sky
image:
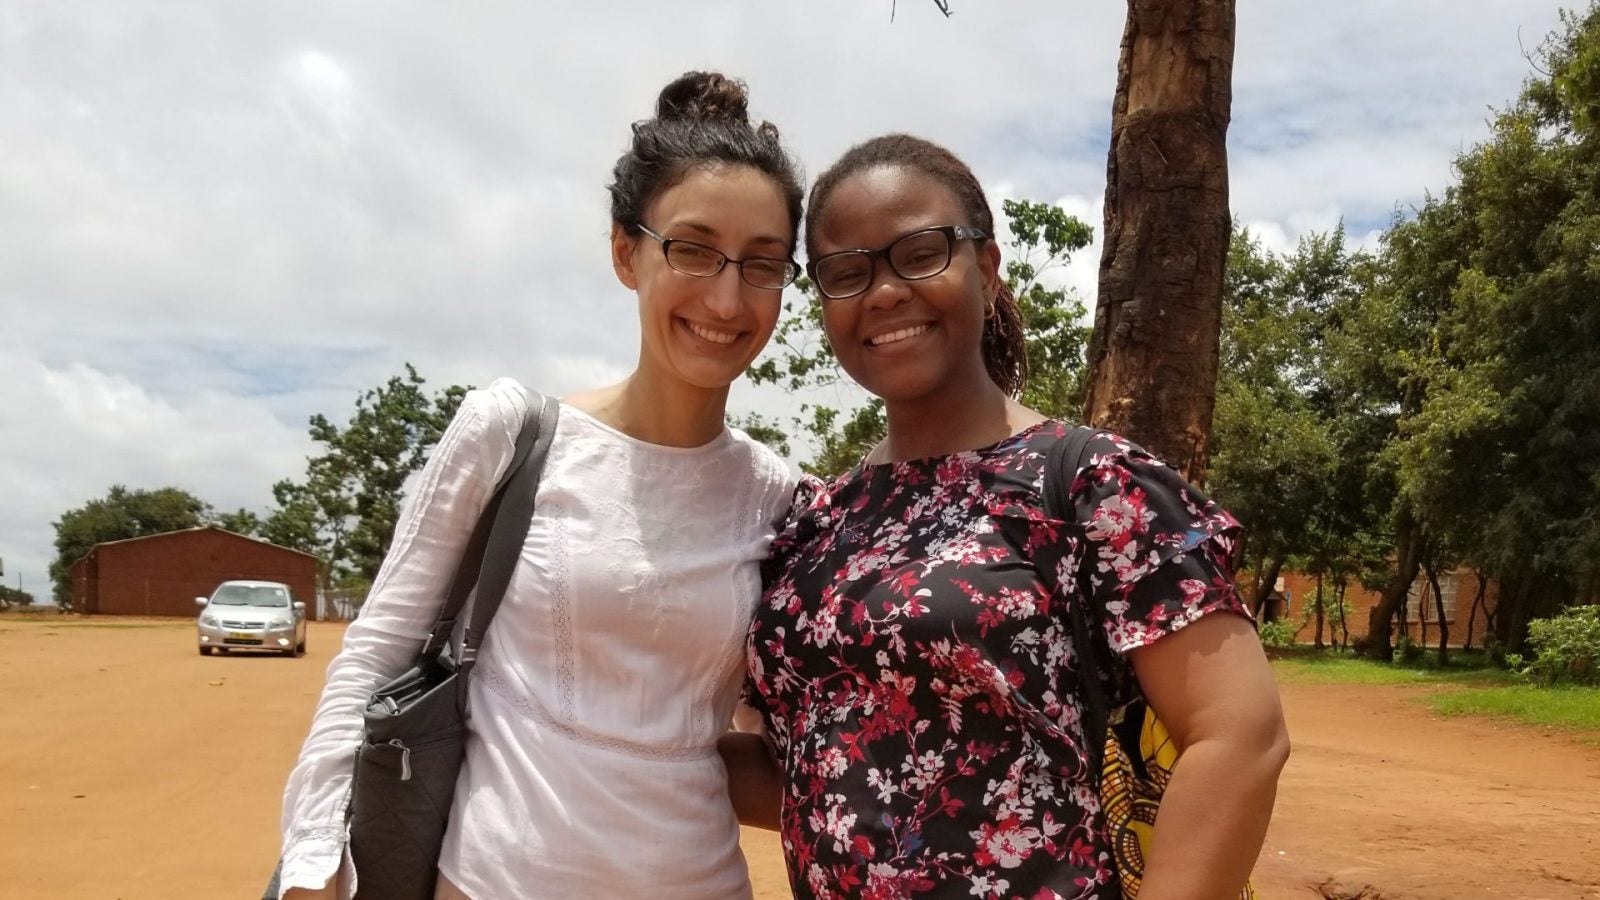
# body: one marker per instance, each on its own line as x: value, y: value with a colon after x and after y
x: 219, y: 218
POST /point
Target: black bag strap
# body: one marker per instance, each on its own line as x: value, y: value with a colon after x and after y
x: 493, y: 540
x: 508, y: 534
x: 1061, y: 468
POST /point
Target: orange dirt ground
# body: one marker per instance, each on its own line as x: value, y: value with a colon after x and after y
x: 131, y: 767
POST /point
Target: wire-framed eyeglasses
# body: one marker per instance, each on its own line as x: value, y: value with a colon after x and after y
x: 766, y: 272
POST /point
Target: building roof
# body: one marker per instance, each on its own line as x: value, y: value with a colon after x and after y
x: 217, y: 528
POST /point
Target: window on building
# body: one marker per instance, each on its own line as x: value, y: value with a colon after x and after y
x: 1419, y: 600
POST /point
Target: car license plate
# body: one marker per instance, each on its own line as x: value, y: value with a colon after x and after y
x: 241, y: 636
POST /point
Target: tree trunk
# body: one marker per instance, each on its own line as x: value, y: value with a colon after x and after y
x: 1320, y: 616
x: 1264, y: 585
x: 1344, y: 621
x: 1408, y: 559
x: 1444, y: 626
x: 1477, y: 603
x: 1517, y: 634
x: 1511, y: 619
x: 1152, y: 369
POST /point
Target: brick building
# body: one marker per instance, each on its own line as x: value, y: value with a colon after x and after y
x: 1459, y: 589
x: 161, y: 574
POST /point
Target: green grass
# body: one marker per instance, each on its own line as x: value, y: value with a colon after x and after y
x: 1335, y: 668
x: 1576, y: 708
x: 1473, y: 687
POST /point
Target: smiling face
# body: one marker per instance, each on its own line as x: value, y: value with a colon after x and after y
x: 907, y: 341
x: 704, y: 331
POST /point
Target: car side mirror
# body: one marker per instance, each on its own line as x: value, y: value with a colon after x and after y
x: 299, y: 606
x: 200, y: 602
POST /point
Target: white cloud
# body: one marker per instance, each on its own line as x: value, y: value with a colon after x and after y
x: 217, y: 219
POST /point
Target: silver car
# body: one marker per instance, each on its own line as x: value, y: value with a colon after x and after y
x: 252, y: 615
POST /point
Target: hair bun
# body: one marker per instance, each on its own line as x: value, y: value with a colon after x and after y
x: 708, y: 96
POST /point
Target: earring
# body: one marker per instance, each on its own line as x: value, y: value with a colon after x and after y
x: 989, y: 308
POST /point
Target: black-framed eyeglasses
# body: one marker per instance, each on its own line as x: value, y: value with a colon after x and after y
x: 915, y: 256
x: 767, y: 272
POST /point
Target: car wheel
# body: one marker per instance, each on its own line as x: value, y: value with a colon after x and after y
x: 205, y: 651
x: 300, y: 649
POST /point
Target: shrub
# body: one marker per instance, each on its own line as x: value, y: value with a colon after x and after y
x: 1406, y: 651
x: 1567, y: 647
x: 1497, y: 653
x: 1279, y: 633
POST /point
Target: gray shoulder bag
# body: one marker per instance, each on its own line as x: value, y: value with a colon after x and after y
x: 415, y: 725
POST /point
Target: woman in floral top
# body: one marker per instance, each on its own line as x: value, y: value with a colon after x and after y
x: 913, y: 659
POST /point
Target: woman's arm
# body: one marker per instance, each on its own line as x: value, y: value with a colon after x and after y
x: 1211, y: 686
x: 754, y: 785
x: 429, y: 540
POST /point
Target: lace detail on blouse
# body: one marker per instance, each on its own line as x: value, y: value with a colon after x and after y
x: 561, y: 612
x: 496, y: 680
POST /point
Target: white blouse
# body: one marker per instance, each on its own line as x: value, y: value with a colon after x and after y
x: 611, y: 668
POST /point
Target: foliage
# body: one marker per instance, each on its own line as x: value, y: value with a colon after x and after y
x: 241, y: 521
x: 1466, y: 370
x: 119, y: 515
x: 1280, y: 632
x: 1406, y: 651
x: 1288, y: 460
x: 1044, y: 237
x: 346, y: 508
x: 1567, y: 647
x: 14, y: 597
x: 763, y: 430
x: 845, y: 425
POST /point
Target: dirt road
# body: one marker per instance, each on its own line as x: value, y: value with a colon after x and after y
x: 131, y: 768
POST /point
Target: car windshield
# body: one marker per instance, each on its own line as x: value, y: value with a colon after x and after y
x: 250, y: 595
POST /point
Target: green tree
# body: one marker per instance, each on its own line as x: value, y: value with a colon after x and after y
x: 240, y: 521
x: 1482, y: 337
x: 346, y: 508
x: 119, y: 515
x: 1277, y: 457
x: 1045, y: 237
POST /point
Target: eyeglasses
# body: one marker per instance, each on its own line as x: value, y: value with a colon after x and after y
x: 701, y: 261
x: 915, y: 256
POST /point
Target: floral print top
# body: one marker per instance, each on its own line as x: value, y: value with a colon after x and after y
x: 912, y: 660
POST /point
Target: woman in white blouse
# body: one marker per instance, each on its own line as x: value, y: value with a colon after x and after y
x: 615, y: 661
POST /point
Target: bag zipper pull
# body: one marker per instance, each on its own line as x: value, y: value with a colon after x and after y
x: 405, y: 758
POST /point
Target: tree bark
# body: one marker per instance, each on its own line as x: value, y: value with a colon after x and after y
x: 1444, y: 626
x: 1477, y: 603
x: 1517, y: 633
x: 1408, y: 559
x: 1153, y: 357
x: 1320, y: 615
x: 1264, y: 585
x: 1344, y: 621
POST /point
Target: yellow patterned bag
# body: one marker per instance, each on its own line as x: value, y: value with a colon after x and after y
x: 1131, y: 787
